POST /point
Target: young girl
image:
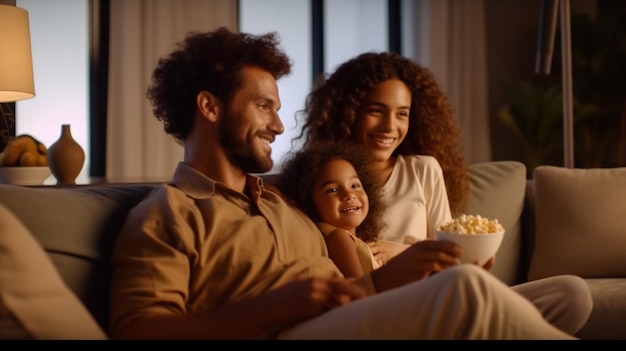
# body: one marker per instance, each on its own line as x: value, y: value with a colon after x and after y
x: 333, y: 184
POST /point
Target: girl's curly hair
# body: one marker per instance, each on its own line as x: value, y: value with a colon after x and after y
x: 300, y: 169
x: 332, y: 107
x: 210, y: 62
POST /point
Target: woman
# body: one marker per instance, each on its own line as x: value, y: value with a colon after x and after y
x: 395, y: 108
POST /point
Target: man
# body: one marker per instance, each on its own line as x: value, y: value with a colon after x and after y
x: 214, y: 254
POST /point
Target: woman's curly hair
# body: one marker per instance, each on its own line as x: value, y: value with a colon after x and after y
x: 332, y: 107
x: 301, y: 169
x: 210, y: 62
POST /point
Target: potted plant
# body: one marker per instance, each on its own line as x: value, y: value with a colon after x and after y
x: 534, y: 115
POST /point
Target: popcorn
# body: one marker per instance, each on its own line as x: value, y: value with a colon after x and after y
x: 471, y: 224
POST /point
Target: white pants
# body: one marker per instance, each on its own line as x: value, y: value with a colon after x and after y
x: 563, y: 300
x: 463, y: 302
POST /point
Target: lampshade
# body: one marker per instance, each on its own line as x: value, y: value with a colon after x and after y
x: 16, y: 63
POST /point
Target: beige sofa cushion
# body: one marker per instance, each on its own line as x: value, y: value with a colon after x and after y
x: 497, y: 191
x: 76, y: 226
x: 34, y: 301
x: 580, y: 222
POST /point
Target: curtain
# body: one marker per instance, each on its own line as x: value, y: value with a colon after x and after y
x: 449, y: 38
x: 141, y: 32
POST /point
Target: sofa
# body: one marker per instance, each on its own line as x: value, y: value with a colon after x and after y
x: 55, y: 244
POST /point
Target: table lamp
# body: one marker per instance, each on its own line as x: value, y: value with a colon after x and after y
x: 16, y: 65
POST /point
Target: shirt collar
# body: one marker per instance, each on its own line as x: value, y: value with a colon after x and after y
x: 199, y: 186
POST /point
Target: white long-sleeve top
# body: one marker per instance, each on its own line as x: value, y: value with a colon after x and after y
x: 416, y: 199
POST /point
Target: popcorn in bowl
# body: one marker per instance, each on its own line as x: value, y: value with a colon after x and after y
x: 471, y: 224
x: 468, y: 231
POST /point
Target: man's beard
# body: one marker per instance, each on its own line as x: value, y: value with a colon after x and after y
x: 240, y: 152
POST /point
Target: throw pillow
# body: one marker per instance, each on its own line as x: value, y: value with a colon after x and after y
x: 34, y: 301
x: 580, y: 222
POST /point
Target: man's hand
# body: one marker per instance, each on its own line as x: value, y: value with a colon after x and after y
x: 307, y: 298
x: 417, y: 262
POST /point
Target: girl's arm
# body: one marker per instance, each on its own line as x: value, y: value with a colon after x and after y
x: 342, y: 250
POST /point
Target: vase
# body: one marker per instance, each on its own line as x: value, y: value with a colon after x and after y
x: 65, y: 157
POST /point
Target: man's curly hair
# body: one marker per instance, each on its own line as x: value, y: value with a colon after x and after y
x: 333, y: 105
x: 212, y: 62
x: 300, y: 169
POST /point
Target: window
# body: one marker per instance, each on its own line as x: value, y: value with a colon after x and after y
x: 357, y: 26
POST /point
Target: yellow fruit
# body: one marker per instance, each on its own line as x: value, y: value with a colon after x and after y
x: 28, y: 159
x: 41, y: 148
x: 20, y: 145
x: 41, y: 160
x: 16, y: 147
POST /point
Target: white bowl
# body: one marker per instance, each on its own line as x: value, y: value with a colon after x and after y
x: 476, y: 247
x: 24, y: 175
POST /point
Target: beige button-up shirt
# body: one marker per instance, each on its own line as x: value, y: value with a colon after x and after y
x: 196, y: 244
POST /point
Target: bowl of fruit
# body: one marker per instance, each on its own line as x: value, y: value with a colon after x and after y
x: 23, y: 162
